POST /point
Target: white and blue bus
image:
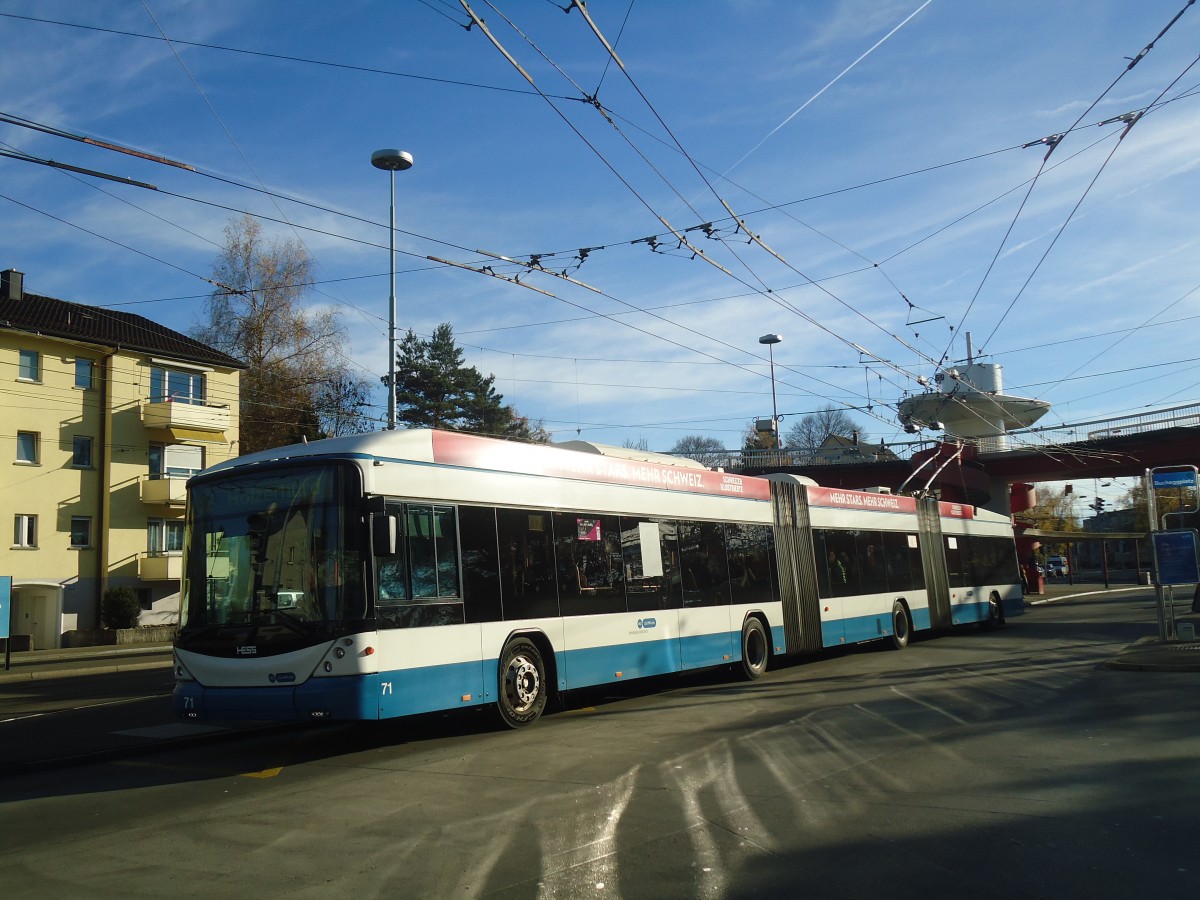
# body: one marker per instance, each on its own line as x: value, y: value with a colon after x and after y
x: 406, y: 572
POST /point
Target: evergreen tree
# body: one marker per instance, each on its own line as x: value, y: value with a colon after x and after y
x: 435, y: 388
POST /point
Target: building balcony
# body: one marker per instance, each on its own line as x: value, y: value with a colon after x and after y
x: 160, y: 566
x: 168, y: 490
x: 187, y: 420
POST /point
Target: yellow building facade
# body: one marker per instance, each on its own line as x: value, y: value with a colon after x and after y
x: 103, y: 418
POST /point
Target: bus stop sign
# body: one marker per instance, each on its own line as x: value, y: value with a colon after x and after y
x: 1175, y: 557
x: 1185, y: 478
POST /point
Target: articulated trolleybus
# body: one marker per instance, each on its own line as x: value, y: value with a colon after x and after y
x: 408, y: 572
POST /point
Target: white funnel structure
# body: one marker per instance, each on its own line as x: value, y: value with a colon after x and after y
x: 970, y: 403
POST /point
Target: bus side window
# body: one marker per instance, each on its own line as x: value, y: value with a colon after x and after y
x: 749, y: 563
x: 704, y: 564
x: 526, y: 546
x: 650, y: 562
x: 896, y: 554
x: 587, y: 552
x: 481, y: 564
x: 392, y: 571
x: 432, y: 538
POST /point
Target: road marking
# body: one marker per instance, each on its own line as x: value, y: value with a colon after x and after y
x: 265, y: 773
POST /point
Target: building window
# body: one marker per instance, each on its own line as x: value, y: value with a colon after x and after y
x: 81, y: 531
x: 25, y: 531
x: 85, y: 373
x: 175, y: 460
x: 30, y: 367
x: 164, y: 536
x: 27, y: 447
x: 176, y: 386
x: 81, y: 452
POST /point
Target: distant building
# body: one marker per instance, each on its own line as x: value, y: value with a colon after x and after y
x: 838, y: 450
x: 106, y: 415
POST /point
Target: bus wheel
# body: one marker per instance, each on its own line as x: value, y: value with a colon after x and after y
x: 756, y: 652
x: 522, y: 684
x: 995, y: 612
x: 901, y: 629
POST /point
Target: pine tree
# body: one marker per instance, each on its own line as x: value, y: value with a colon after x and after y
x: 435, y: 388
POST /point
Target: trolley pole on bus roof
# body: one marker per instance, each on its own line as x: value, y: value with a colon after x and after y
x: 392, y: 161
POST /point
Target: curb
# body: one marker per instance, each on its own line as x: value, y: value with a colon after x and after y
x: 40, y: 674
x: 1044, y: 601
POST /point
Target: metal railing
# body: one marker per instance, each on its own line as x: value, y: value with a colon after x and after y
x: 1026, y: 439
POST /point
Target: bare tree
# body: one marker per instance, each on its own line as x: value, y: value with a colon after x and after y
x: 706, y: 450
x: 294, y: 385
x: 808, y: 434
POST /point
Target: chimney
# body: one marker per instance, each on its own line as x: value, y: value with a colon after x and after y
x: 12, y: 284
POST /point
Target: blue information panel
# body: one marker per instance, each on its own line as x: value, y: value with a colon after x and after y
x: 1175, y: 557
x: 5, y: 604
x: 1182, y: 479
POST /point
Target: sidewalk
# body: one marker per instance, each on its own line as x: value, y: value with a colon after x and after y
x: 38, y: 665
x: 1146, y: 655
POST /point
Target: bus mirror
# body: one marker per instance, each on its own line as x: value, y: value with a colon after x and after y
x: 384, y: 537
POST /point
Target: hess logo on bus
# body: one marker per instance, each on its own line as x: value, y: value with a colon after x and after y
x: 246, y: 650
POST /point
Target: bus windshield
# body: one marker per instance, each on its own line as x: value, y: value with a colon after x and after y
x: 272, y: 548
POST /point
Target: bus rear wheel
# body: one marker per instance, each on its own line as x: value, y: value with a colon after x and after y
x: 995, y: 611
x: 901, y: 627
x: 756, y: 652
x: 522, y: 683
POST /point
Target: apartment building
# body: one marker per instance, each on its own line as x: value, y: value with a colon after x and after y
x: 103, y: 417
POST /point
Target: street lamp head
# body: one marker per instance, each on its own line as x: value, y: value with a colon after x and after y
x: 770, y: 339
x: 392, y: 160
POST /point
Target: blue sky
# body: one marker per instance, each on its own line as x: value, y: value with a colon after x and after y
x: 874, y: 146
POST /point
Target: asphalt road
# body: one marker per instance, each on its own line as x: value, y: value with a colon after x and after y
x: 1006, y: 763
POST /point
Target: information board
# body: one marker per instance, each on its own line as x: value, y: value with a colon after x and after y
x: 5, y: 604
x: 1175, y: 557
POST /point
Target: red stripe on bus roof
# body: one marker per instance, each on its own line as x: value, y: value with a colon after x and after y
x: 844, y: 499
x: 530, y: 459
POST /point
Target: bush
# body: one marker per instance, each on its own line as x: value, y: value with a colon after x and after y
x: 119, y: 608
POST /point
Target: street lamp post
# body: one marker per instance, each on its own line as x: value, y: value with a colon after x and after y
x: 392, y: 161
x: 771, y: 340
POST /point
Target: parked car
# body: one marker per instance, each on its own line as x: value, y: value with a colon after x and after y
x: 1057, y: 565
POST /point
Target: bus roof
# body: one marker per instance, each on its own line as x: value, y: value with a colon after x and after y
x: 452, y: 448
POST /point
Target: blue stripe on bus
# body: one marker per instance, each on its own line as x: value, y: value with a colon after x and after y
x: 406, y: 692
x: 842, y: 632
x: 600, y: 665
x: 778, y: 639
x: 353, y: 697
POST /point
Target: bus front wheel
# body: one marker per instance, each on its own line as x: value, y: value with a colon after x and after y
x: 522, y: 683
x: 756, y: 652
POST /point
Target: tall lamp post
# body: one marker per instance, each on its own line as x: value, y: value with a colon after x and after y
x: 771, y: 340
x: 392, y: 161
